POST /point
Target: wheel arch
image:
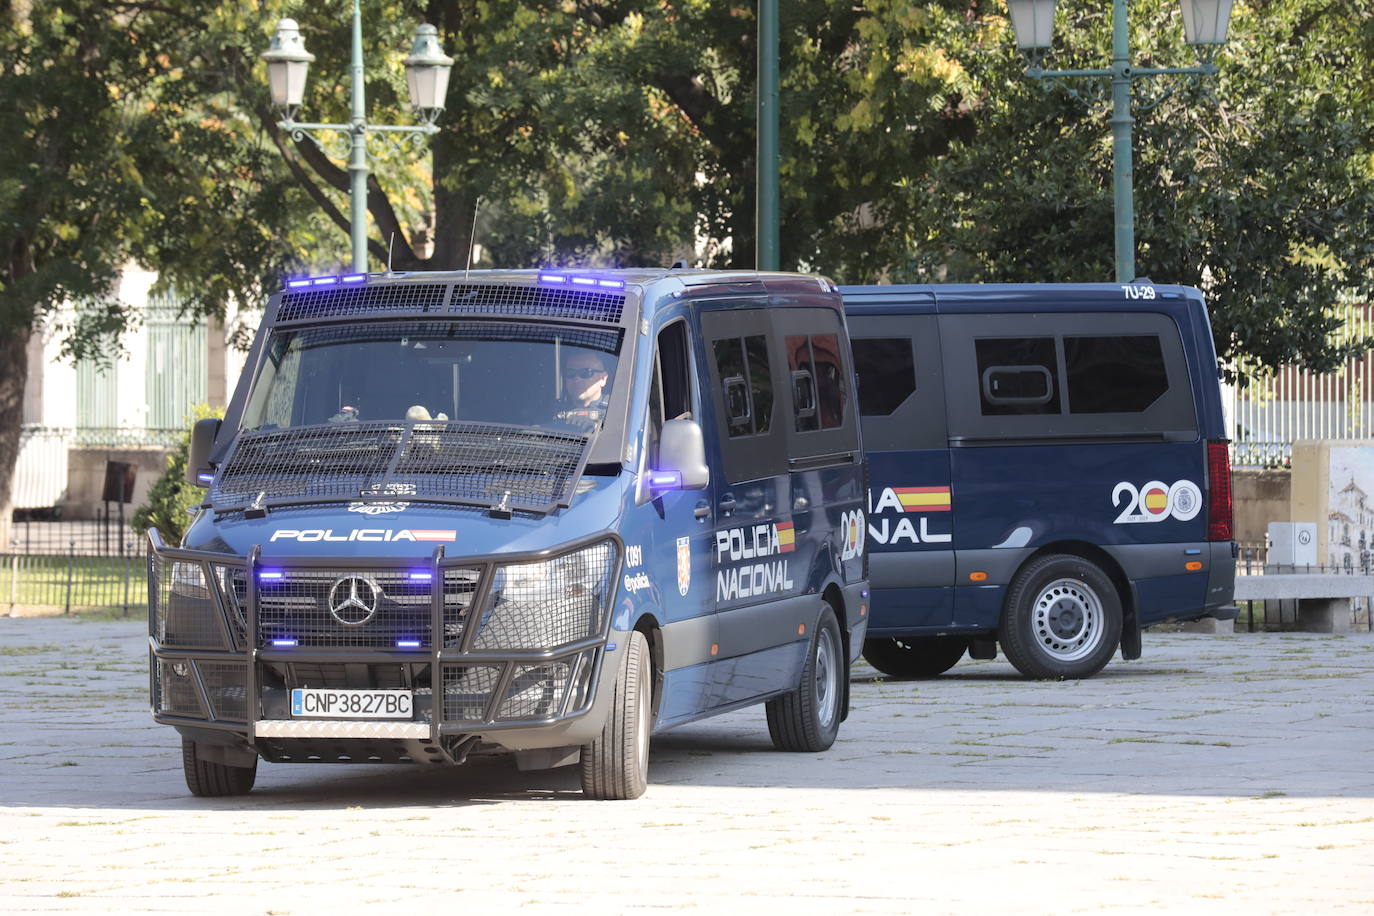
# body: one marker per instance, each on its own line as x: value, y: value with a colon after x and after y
x: 833, y: 595
x: 648, y: 625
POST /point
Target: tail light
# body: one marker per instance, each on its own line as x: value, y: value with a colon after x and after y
x: 1219, y: 526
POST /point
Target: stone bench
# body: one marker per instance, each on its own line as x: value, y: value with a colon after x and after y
x: 1323, y: 600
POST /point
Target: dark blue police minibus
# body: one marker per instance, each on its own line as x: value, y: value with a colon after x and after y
x: 1049, y: 471
x: 535, y: 513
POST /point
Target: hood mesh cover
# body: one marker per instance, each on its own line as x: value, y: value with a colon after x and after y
x: 469, y: 463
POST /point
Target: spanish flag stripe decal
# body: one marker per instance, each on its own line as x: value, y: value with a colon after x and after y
x: 434, y: 535
x: 923, y: 499
x: 787, y: 537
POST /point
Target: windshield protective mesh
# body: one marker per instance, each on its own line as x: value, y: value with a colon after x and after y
x: 337, y: 300
x: 507, y: 299
x: 470, y: 463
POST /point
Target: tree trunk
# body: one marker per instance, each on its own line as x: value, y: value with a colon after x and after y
x: 14, y: 372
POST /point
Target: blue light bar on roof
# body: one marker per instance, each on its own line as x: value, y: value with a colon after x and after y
x: 331, y: 280
x: 581, y: 281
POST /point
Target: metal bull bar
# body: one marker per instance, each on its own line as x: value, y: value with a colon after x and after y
x: 219, y: 643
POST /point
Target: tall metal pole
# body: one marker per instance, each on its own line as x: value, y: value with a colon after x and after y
x: 357, y: 163
x: 766, y: 183
x: 1122, y: 122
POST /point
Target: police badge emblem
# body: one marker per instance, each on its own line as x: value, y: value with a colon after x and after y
x: 684, y: 566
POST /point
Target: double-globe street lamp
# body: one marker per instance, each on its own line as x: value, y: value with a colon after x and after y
x: 427, y: 72
x: 1204, y: 28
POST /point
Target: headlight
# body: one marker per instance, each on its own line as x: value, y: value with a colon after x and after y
x: 564, y: 577
x: 188, y: 581
x: 549, y: 604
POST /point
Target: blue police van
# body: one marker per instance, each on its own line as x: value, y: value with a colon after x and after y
x: 539, y: 513
x: 1049, y: 471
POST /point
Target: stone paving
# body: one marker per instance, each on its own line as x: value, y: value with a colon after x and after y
x: 1216, y: 774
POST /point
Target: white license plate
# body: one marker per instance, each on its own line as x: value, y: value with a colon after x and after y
x: 351, y: 704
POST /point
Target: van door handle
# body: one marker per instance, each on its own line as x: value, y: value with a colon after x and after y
x: 702, y: 509
x: 727, y: 504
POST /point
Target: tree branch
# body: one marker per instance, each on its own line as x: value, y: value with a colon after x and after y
x: 314, y: 190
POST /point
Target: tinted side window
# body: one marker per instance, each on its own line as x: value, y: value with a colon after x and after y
x: 803, y: 383
x: 760, y: 381
x: 1017, y: 375
x: 670, y: 389
x: 887, y: 374
x: 745, y: 376
x: 746, y: 386
x: 817, y: 381
x: 828, y: 366
x: 734, y: 386
x: 1114, y: 374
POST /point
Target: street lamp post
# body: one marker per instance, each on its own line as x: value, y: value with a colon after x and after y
x: 766, y: 221
x: 1204, y: 26
x: 427, y: 72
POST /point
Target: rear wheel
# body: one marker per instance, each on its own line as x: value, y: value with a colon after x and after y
x: 1062, y: 618
x: 808, y: 718
x: 208, y: 779
x: 905, y: 656
x: 615, y: 765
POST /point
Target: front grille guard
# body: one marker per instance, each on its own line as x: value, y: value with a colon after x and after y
x: 240, y: 648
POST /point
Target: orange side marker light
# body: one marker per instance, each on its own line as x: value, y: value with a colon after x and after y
x: 1193, y: 565
x: 978, y: 576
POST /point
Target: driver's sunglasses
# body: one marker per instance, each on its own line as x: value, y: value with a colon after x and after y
x: 583, y: 373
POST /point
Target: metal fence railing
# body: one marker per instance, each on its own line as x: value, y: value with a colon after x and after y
x: 1275, y: 408
x: 75, y: 566
x: 1283, y: 615
x: 74, y: 582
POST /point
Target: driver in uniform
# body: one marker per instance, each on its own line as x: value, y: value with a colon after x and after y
x: 583, y: 404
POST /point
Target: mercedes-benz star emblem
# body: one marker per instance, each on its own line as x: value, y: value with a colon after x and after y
x: 353, y: 600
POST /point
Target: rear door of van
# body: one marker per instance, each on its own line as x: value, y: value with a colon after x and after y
x: 911, y: 517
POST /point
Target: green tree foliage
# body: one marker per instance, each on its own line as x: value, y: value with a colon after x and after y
x: 1256, y: 185
x: 171, y: 498
x: 126, y: 139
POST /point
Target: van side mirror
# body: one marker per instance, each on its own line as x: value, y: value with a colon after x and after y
x: 203, y: 435
x: 681, y: 458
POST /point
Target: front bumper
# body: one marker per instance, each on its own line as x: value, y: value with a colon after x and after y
x: 231, y: 637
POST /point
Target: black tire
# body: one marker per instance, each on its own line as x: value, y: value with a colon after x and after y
x: 207, y: 779
x: 1062, y: 619
x: 908, y: 657
x: 808, y: 718
x: 615, y: 765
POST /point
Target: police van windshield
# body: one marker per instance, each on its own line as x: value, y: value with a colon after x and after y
x: 471, y: 371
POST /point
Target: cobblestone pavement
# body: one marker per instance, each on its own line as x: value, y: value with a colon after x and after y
x: 1216, y: 774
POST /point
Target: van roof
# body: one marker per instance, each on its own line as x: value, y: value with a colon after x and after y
x: 688, y: 276
x: 1016, y: 297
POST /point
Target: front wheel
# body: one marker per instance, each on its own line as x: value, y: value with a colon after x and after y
x: 905, y: 656
x: 808, y: 718
x: 208, y: 779
x: 1062, y: 618
x: 615, y: 765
